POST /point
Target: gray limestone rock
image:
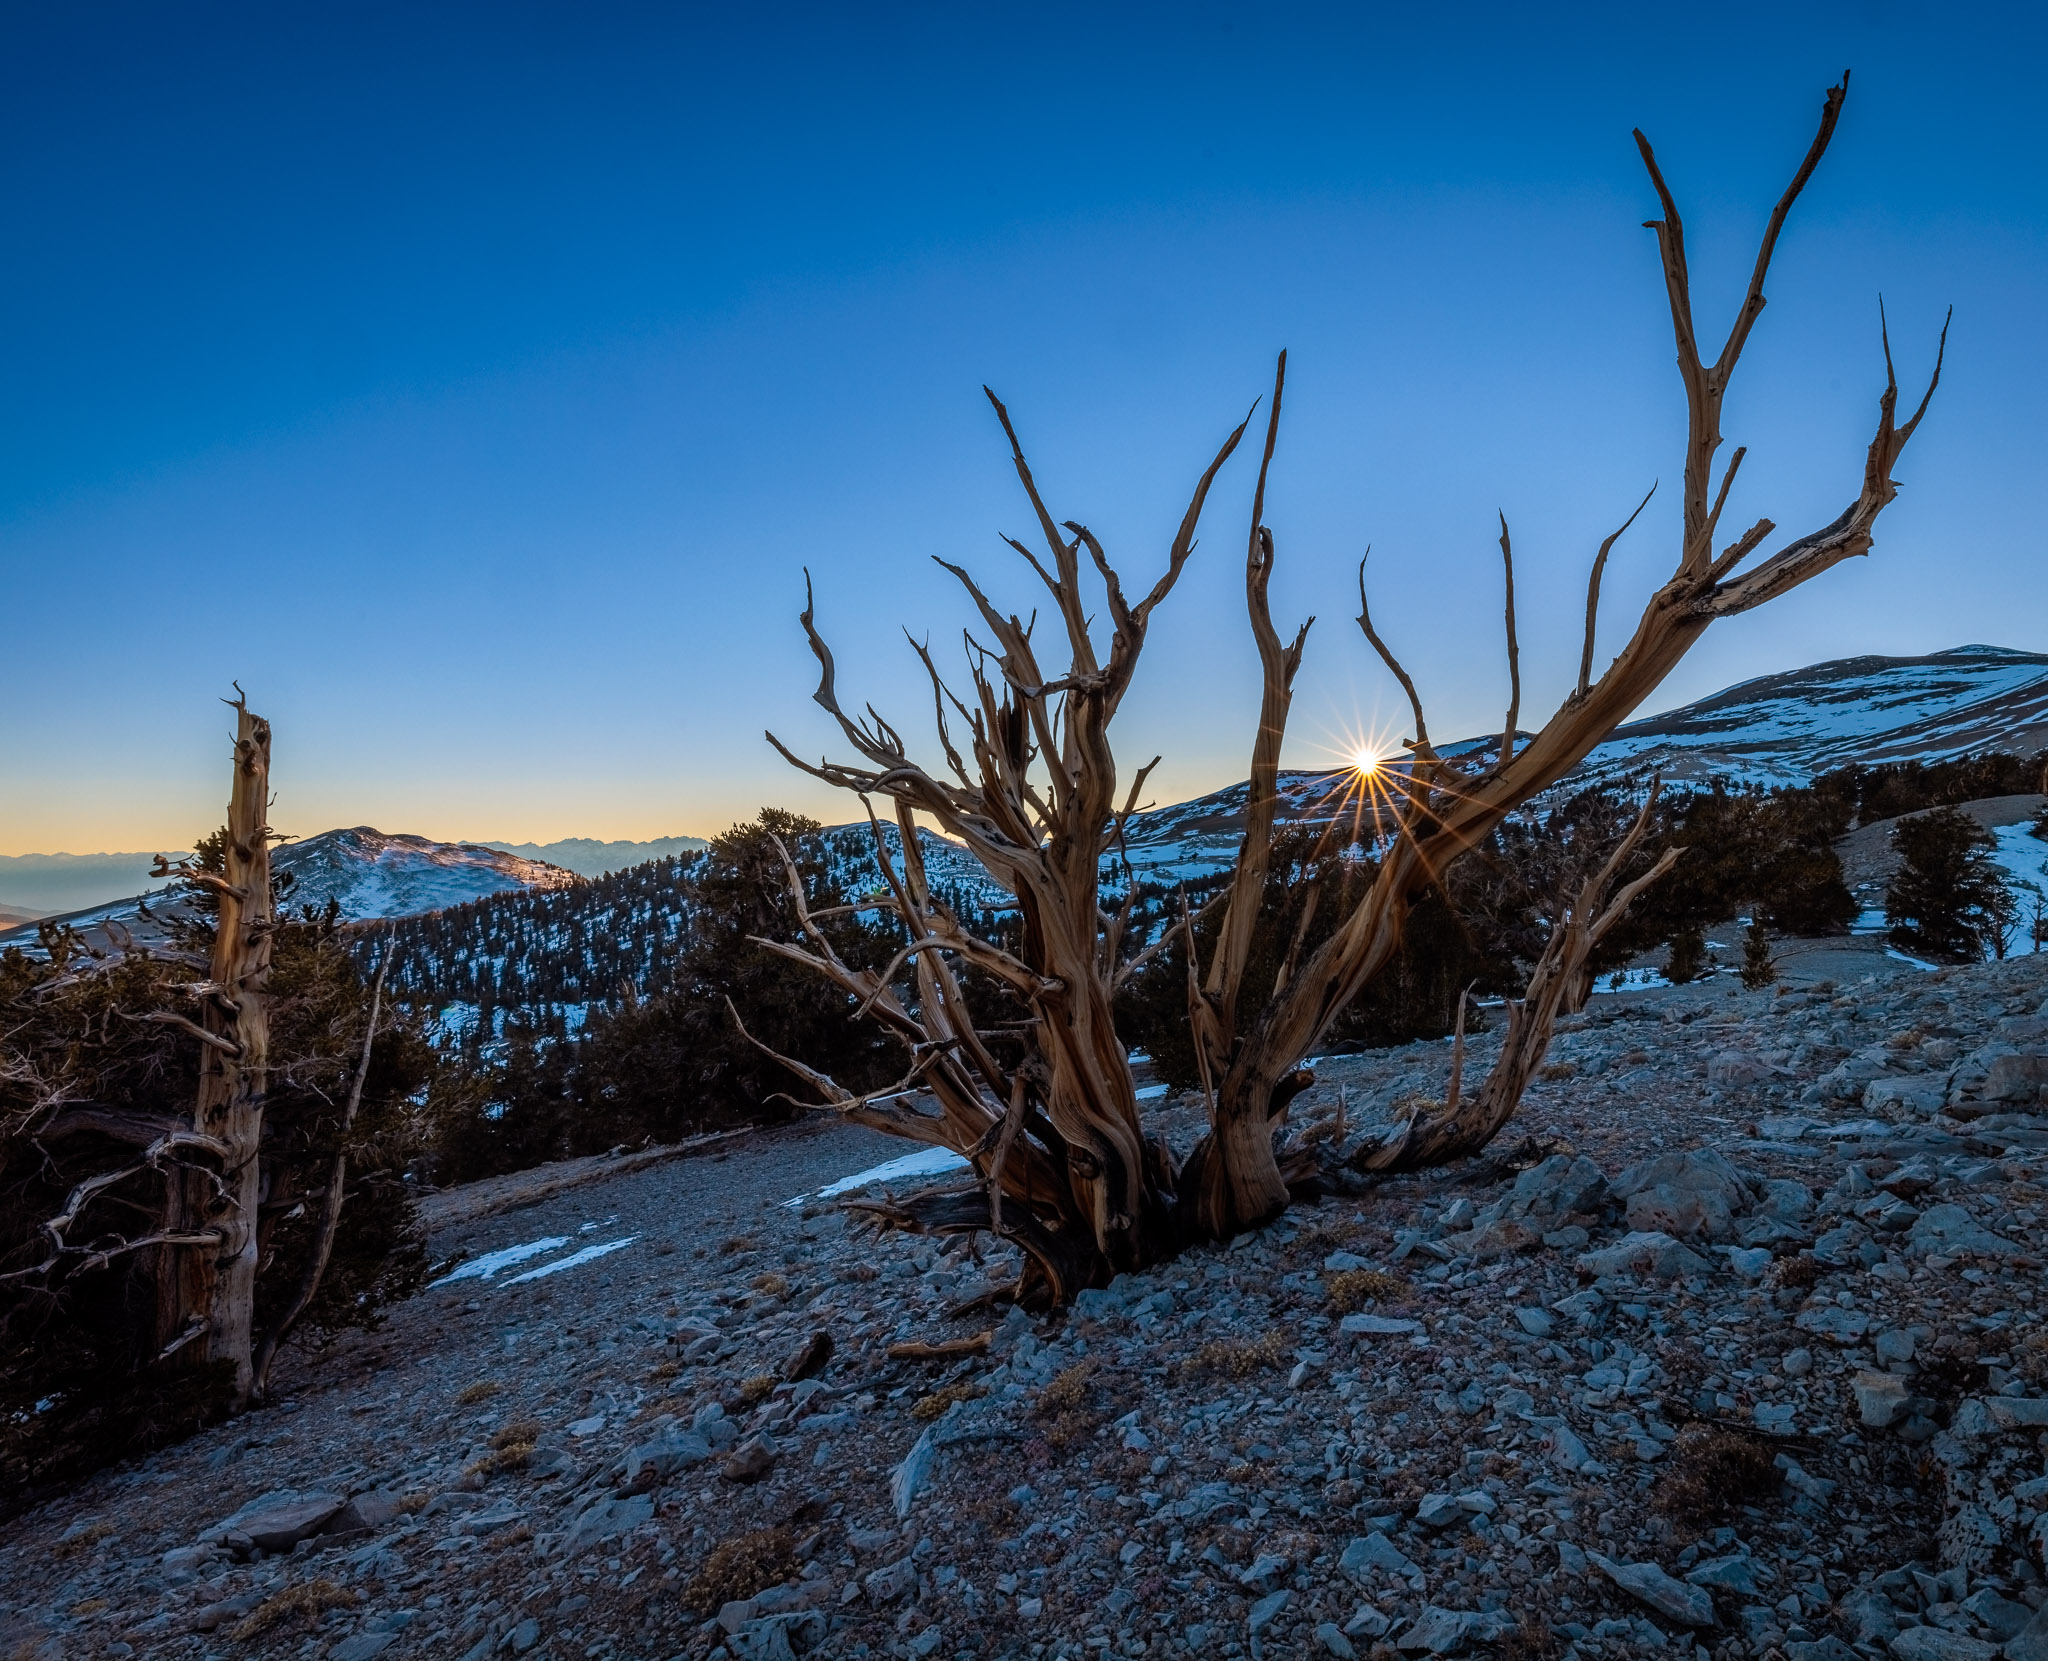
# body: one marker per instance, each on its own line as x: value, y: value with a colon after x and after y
x: 1653, y: 1588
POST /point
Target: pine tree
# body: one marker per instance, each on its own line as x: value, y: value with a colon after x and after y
x: 1758, y: 970
x: 1688, y: 960
x: 1949, y: 901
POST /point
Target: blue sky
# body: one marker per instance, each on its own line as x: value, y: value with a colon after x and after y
x: 474, y: 383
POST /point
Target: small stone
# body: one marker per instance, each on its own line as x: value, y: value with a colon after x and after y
x: 362, y: 1646
x: 523, y: 1636
x: 1377, y: 1326
x: 1895, y: 1345
x: 811, y: 1360
x: 1376, y: 1551
x: 898, y: 1579
x: 1880, y: 1398
x: 1749, y: 1262
x: 1535, y: 1322
x: 1367, y: 1622
x: 1652, y: 1587
x: 1263, y: 1612
x: 1736, y: 1573
x: 1931, y: 1643
x: 1797, y: 1363
x: 1439, y: 1511
x: 750, y: 1461
x: 1333, y: 1642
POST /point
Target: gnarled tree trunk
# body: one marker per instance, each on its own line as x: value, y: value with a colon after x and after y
x: 1062, y: 1163
x: 206, y: 1292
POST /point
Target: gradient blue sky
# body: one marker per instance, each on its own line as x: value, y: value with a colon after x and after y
x: 473, y: 382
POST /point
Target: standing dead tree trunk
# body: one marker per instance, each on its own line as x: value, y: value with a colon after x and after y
x: 1058, y: 1150
x: 206, y: 1294
x: 1468, y: 1123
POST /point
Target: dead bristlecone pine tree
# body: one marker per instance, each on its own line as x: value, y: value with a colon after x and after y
x: 207, y: 1253
x: 1028, y: 781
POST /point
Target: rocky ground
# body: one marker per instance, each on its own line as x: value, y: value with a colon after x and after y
x: 1732, y: 1349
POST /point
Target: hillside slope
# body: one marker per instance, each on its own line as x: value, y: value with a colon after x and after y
x: 365, y: 872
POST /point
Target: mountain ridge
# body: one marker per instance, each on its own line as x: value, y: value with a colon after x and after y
x: 1771, y: 730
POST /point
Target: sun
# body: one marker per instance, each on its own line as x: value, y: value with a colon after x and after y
x: 1365, y: 761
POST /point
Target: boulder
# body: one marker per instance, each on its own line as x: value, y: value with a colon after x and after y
x: 2030, y: 1643
x: 1562, y: 1185
x: 278, y: 1521
x: 1948, y: 1230
x: 1920, y: 1094
x: 606, y: 1519
x: 1653, y: 1588
x: 1651, y: 1253
x: 1732, y: 1069
x: 669, y: 1450
x: 1687, y: 1195
x: 2016, y: 1078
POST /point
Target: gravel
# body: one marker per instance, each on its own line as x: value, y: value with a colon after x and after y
x: 1435, y: 1415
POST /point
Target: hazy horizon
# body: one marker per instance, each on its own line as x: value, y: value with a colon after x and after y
x: 520, y: 363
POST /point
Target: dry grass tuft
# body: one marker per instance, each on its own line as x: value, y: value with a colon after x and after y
x: 511, y: 1449
x: 1067, y: 1390
x: 300, y: 1605
x: 770, y: 1284
x: 740, y: 1567
x: 931, y: 1406
x: 1532, y: 1639
x: 1554, y: 1072
x: 1792, y: 1273
x: 1350, y: 1290
x: 1063, y: 1404
x: 737, y: 1244
x: 470, y: 1394
x: 1239, y: 1360
x: 757, y: 1388
x: 1711, y: 1472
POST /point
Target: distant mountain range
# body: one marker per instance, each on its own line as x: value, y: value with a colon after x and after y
x: 588, y: 857
x: 1781, y: 729
x: 367, y: 873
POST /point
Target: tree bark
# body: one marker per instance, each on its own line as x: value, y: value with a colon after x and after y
x: 206, y: 1296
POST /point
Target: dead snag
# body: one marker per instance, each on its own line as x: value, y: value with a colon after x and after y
x: 206, y: 1293
x: 1029, y: 785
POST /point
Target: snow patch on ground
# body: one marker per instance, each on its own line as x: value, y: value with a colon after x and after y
x: 926, y: 1162
x: 483, y: 1268
x: 589, y: 1254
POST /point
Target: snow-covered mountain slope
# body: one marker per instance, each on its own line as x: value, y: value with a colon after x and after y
x: 367, y: 873
x: 374, y: 875
x: 1782, y: 729
x: 1785, y: 729
x: 589, y: 857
